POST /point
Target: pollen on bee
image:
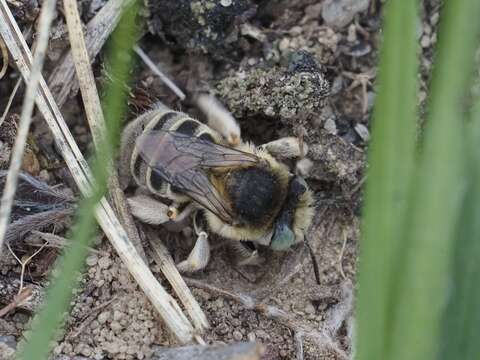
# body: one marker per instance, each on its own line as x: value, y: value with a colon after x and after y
x: 219, y: 118
x: 233, y: 139
x: 287, y: 148
x: 172, y: 213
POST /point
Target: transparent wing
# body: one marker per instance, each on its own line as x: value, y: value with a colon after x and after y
x: 181, y: 160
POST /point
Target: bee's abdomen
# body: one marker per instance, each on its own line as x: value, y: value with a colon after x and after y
x: 255, y: 194
x: 165, y: 119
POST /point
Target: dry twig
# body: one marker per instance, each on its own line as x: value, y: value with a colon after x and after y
x: 98, y: 127
x: 62, y: 81
x: 24, y: 263
x: 162, y: 301
x: 10, y: 100
x: 54, y: 241
x: 19, y: 298
x: 9, y: 294
x: 299, y: 345
x: 165, y: 261
x: 8, y: 195
x: 164, y: 78
x: 4, y: 53
x: 94, y: 114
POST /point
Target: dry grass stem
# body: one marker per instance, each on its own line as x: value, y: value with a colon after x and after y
x: 62, y: 81
x: 98, y: 127
x: 10, y: 100
x: 170, y: 84
x: 4, y: 53
x: 167, y: 307
x: 24, y: 263
x: 9, y: 294
x: 54, y: 241
x: 298, y: 345
x: 94, y: 114
x: 165, y: 261
x: 19, y: 298
x: 46, y: 17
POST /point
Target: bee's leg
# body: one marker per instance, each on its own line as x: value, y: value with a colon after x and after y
x: 244, y: 255
x: 148, y: 210
x: 199, y: 256
x: 154, y: 212
x: 181, y: 219
x: 286, y: 148
x: 219, y: 118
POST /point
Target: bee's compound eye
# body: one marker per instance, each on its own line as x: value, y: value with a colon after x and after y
x: 283, y: 237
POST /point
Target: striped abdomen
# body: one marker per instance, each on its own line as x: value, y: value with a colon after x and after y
x: 162, y: 118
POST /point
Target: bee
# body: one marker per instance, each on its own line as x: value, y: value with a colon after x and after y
x: 245, y: 192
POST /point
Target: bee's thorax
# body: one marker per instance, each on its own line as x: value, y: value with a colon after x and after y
x: 255, y: 194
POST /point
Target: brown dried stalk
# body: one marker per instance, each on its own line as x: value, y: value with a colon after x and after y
x: 46, y: 17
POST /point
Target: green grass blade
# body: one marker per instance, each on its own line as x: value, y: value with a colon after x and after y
x: 462, y: 321
x: 391, y: 158
x: 50, y: 317
x: 437, y: 192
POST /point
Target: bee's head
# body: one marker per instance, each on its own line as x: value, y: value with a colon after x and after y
x: 283, y: 233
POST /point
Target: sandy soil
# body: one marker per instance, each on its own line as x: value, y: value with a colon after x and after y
x: 282, y: 68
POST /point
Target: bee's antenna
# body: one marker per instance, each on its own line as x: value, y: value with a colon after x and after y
x: 316, y: 270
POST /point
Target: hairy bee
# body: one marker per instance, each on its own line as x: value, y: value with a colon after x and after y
x: 245, y: 192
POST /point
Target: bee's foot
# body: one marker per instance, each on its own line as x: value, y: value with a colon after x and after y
x: 244, y: 255
x: 252, y: 260
x: 199, y: 256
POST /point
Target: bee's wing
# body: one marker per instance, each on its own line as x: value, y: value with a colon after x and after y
x: 181, y: 160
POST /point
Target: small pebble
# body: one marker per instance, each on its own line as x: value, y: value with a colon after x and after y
x: 304, y: 167
x: 362, y: 131
x: 251, y: 336
x: 117, y: 315
x: 339, y: 13
x: 284, y: 44
x: 104, y: 262
x: 44, y: 175
x: 330, y: 126
x: 309, y: 308
x: 103, y: 317
x: 225, y: 3
x: 425, y: 41
x: 434, y: 18
x: 296, y: 30
x: 237, y: 335
x: 92, y: 260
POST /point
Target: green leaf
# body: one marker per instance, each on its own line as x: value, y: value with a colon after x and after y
x: 437, y: 192
x: 462, y: 318
x: 391, y: 159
